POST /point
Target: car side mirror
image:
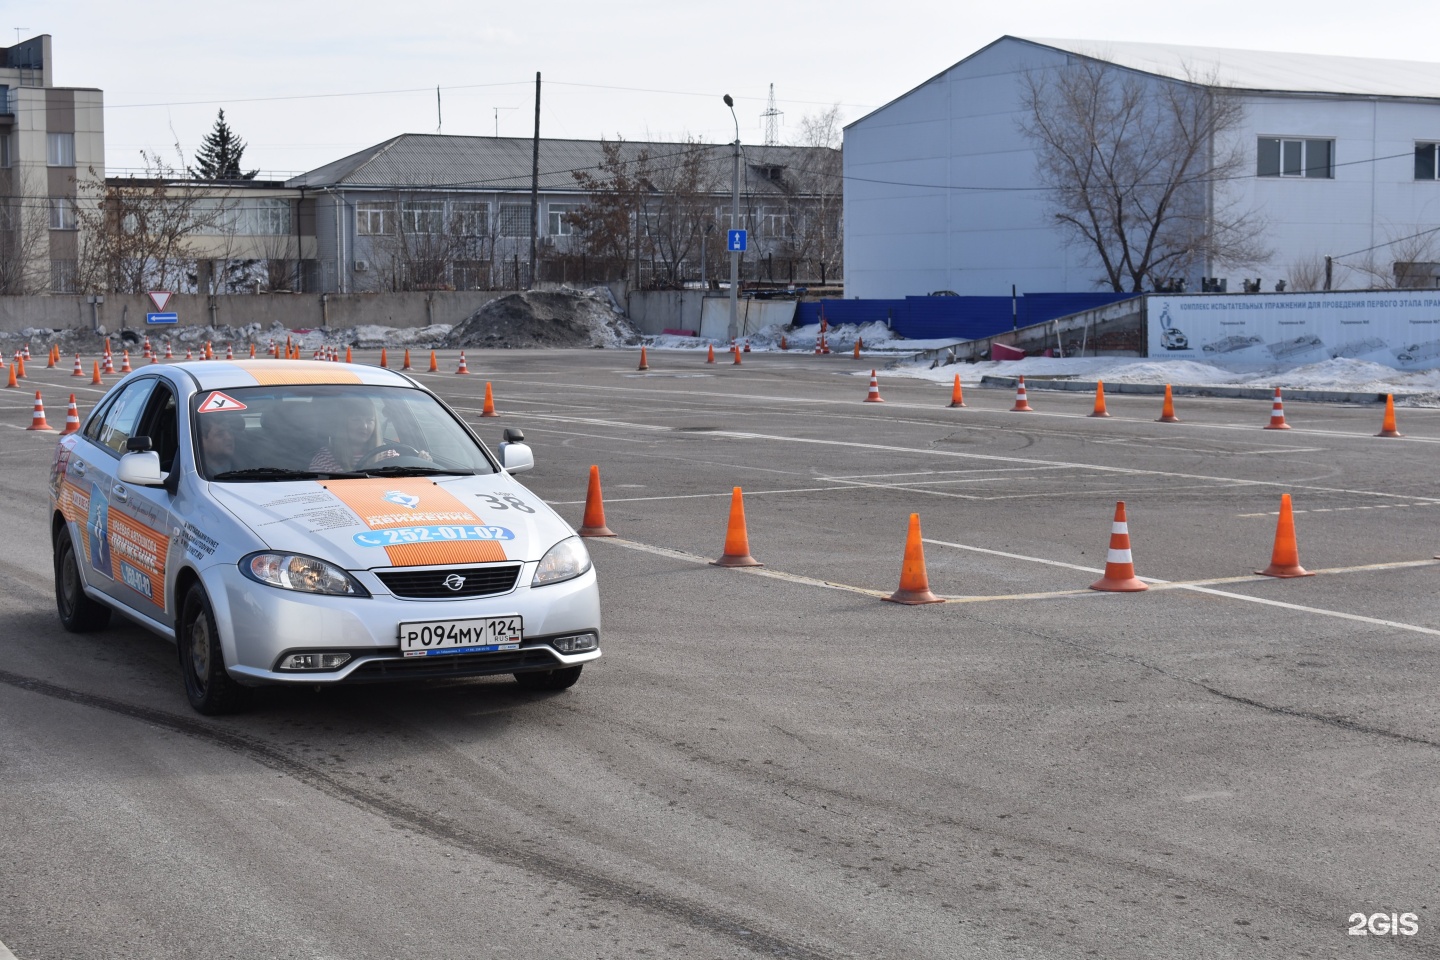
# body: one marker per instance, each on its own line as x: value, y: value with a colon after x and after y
x: 142, y: 468
x: 516, y: 457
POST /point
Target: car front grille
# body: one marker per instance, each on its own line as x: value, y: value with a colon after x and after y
x: 482, y: 581
x: 455, y: 665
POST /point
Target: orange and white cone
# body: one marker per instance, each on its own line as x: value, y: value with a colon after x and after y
x: 914, y: 582
x: 737, y: 542
x: 1167, y: 409
x: 1119, y: 566
x: 27, y: 351
x: 874, y: 395
x: 1285, y: 556
x: 1277, y: 414
x: 710, y: 354
x: 169, y: 352
x: 1387, y: 427
x: 957, y: 397
x: 37, y: 419
x: 489, y: 409
x: 125, y: 361
x: 79, y: 371
x: 1099, y: 410
x: 109, y: 364
x: 229, y: 351
x: 154, y: 358
x: 145, y: 347
x: 72, y: 418
x: 209, y: 350
x: 462, y: 368
x: 594, y: 523
x: 1022, y: 405
x: 644, y: 363
x: 189, y: 355
x: 747, y: 344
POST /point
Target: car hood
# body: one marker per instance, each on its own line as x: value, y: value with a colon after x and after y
x: 413, y: 521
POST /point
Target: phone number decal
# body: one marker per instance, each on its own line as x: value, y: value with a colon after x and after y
x: 398, y: 535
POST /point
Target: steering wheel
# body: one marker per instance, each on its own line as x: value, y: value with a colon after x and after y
x: 400, y: 449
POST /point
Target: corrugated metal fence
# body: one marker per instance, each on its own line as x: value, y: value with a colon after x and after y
x: 963, y: 318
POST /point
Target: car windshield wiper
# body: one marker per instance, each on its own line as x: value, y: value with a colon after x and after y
x: 412, y: 471
x: 281, y: 473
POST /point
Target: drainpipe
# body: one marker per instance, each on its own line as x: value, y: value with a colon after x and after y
x: 430, y: 308
x: 325, y: 311
x: 213, y: 305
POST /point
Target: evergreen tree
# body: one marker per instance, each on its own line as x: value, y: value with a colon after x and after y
x: 219, y: 155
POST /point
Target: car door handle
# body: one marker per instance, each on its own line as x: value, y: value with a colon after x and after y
x: 120, y: 494
x: 77, y: 467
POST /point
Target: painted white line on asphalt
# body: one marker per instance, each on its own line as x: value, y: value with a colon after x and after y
x: 757, y: 571
x: 1394, y: 624
x: 1373, y: 506
x: 5, y: 953
x: 725, y: 494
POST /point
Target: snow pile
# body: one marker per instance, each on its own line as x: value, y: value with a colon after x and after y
x: 371, y: 336
x: 547, y: 318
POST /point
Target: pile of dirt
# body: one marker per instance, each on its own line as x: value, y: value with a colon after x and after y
x: 550, y: 318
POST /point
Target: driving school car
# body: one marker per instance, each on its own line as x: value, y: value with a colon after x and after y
x: 290, y: 521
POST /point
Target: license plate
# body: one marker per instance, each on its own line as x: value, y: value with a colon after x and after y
x: 435, y: 637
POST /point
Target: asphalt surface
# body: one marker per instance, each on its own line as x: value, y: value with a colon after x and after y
x: 776, y: 762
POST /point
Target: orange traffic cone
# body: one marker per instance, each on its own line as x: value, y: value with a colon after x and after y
x: 914, y: 582
x: 27, y: 351
x: 874, y: 395
x: 349, y: 355
x: 489, y: 409
x: 407, y: 359
x: 252, y: 351
x: 11, y: 382
x: 1099, y: 410
x: 783, y: 344
x: 169, y: 353
x: 747, y: 344
x: 125, y: 361
x: 1119, y: 566
x: 1022, y: 405
x: 383, y: 358
x: 1167, y: 410
x: 856, y: 353
x: 95, y: 378
x: 189, y: 355
x: 37, y: 420
x: 957, y: 398
x: 154, y: 358
x: 209, y: 350
x: 72, y: 418
x: 1387, y: 428
x: 710, y: 354
x: 109, y: 364
x: 434, y: 368
x: 19, y: 367
x: 1285, y: 557
x: 52, y: 357
x: 737, y: 542
x: 462, y: 368
x: 79, y: 371
x: 229, y: 351
x: 644, y: 364
x: 594, y: 523
x: 107, y: 346
x: 1277, y: 414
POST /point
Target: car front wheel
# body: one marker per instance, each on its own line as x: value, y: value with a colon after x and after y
x: 78, y: 613
x: 209, y: 688
x: 549, y: 679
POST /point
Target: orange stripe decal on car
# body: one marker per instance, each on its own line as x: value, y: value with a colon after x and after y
x: 418, y: 523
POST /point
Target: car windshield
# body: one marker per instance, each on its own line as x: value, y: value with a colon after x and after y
x: 296, y: 432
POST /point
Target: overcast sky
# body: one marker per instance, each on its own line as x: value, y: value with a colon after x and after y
x: 304, y: 89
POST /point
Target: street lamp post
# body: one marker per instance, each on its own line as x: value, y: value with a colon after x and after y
x: 734, y: 330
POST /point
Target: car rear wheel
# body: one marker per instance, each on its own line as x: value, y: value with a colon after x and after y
x: 78, y: 613
x: 549, y: 679
x: 209, y: 688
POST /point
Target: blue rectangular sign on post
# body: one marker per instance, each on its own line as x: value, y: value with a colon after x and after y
x: 735, y: 240
x: 162, y: 318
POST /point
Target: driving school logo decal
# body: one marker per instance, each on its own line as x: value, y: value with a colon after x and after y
x: 401, y: 498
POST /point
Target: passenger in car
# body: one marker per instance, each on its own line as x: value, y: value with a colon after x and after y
x: 217, y: 443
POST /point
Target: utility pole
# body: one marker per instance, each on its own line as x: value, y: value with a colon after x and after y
x: 734, y: 329
x: 770, y: 116
x: 535, y: 185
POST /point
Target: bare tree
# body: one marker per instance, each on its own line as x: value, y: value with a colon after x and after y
x: 24, y: 246
x: 608, y: 222
x: 140, y: 236
x: 818, y: 194
x: 1307, y: 274
x: 1132, y: 163
x: 677, y: 201
x: 1403, y: 262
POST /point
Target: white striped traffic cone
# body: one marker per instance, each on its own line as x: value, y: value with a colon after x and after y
x: 37, y: 419
x: 874, y: 395
x: 462, y: 368
x: 1022, y: 405
x: 109, y: 365
x: 79, y: 371
x: 1277, y: 414
x: 1119, y: 566
x: 229, y: 352
x: 169, y: 353
x: 72, y: 418
x: 125, y: 361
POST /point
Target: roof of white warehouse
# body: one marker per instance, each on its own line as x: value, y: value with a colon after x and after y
x: 1265, y: 70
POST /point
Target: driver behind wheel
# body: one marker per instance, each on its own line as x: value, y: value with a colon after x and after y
x: 352, y: 434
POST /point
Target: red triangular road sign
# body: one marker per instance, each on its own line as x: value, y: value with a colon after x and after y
x: 160, y: 298
x: 219, y: 402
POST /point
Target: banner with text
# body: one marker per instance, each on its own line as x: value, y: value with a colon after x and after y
x: 1399, y: 329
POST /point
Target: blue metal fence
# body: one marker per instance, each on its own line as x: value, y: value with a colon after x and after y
x: 961, y: 318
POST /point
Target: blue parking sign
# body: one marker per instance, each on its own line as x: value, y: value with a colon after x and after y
x: 735, y: 240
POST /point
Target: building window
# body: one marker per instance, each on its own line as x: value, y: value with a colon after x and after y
x: 60, y: 149
x: 62, y: 214
x: 1281, y: 157
x: 4, y: 150
x: 558, y: 225
x: 470, y: 217
x: 470, y: 274
x: 1425, y: 166
x: 514, y: 220
x: 423, y: 216
x: 374, y: 219
x: 64, y: 276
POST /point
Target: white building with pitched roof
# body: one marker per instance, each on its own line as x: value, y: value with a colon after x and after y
x: 942, y: 191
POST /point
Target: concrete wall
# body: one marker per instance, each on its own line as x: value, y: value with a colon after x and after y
x: 653, y: 311
x: 294, y: 311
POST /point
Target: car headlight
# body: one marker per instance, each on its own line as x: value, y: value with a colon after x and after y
x: 564, y: 561
x: 293, y: 571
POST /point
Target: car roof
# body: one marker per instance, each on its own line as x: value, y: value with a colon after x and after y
x: 232, y: 374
